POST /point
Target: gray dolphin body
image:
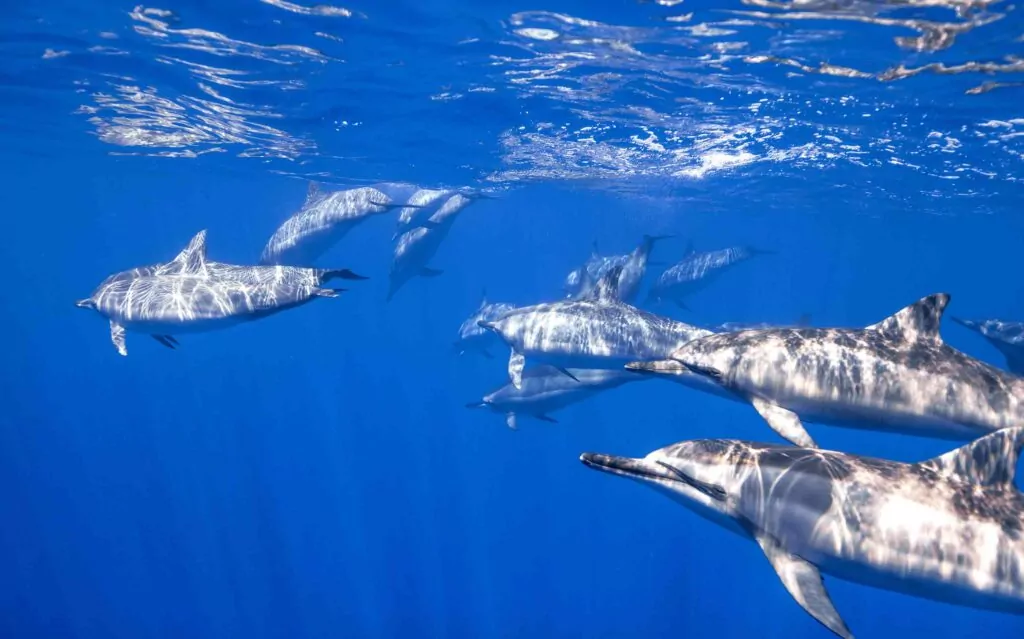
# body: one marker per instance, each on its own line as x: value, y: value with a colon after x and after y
x: 324, y: 219
x: 599, y: 332
x: 191, y: 294
x: 473, y: 336
x: 698, y: 270
x: 950, y: 529
x: 419, y: 204
x: 1007, y: 337
x: 634, y: 267
x: 546, y: 389
x: 579, y: 280
x: 416, y: 247
x: 897, y: 375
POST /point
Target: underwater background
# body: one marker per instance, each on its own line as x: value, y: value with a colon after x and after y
x: 316, y: 473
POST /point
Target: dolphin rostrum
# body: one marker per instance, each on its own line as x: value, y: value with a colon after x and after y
x: 191, y: 294
x: 546, y: 389
x: 897, y: 375
x: 474, y: 337
x: 696, y: 271
x: 597, y: 332
x: 323, y: 220
x: 950, y: 529
x: 416, y: 247
x: 1007, y: 337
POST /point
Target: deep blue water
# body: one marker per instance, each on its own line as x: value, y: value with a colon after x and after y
x: 315, y: 473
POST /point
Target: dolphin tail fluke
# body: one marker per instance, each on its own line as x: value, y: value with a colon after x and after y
x: 329, y: 292
x: 117, y: 337
x: 803, y: 581
x: 167, y: 341
x: 342, y: 274
x: 784, y: 422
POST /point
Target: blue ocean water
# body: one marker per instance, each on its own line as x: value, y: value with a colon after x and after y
x: 316, y: 473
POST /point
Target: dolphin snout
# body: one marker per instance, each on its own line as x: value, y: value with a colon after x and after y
x: 86, y: 303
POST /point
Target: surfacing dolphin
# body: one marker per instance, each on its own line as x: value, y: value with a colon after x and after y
x: 597, y: 332
x: 897, y: 375
x: 192, y: 294
x: 323, y: 220
x: 546, y: 389
x: 950, y: 529
x: 1007, y: 337
x: 472, y: 336
x: 696, y: 271
x: 416, y: 247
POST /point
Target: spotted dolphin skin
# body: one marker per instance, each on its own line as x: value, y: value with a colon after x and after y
x: 897, y: 375
x: 324, y: 219
x: 696, y: 271
x: 1007, y: 337
x: 192, y: 294
x: 597, y: 332
x: 546, y: 389
x: 950, y: 529
x: 474, y: 337
x: 415, y: 248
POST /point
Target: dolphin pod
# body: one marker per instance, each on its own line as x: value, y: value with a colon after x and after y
x: 812, y: 511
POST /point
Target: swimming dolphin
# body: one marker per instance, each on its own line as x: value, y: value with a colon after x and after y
x: 416, y: 247
x: 192, y: 294
x: 950, y: 529
x: 419, y: 203
x: 474, y: 337
x: 546, y: 389
x: 597, y: 332
x: 896, y: 375
x: 634, y: 267
x: 1007, y: 337
x: 323, y: 220
x: 581, y: 280
x: 696, y: 271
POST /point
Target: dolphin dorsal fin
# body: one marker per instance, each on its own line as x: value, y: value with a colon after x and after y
x: 918, y: 322
x: 607, y: 288
x: 989, y: 461
x: 192, y: 258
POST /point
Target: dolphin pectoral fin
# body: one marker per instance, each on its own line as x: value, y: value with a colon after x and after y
x: 165, y: 340
x: 117, y: 337
x: 803, y: 581
x: 567, y: 373
x: 784, y: 422
x: 430, y: 272
x: 510, y: 421
x: 516, y: 363
x: 545, y: 418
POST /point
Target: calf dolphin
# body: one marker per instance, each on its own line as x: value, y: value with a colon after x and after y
x: 193, y: 294
x: 597, y: 332
x: 1007, y: 337
x: 696, y: 271
x: 322, y: 221
x: 950, y: 529
x: 418, y: 246
x: 472, y: 336
x: 546, y: 389
x: 896, y: 375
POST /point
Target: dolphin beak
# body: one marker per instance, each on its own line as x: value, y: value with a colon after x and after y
x: 624, y: 466
x: 86, y: 303
x: 664, y: 367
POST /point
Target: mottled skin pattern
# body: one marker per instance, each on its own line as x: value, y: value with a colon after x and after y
x: 1007, y: 337
x: 322, y: 222
x: 698, y: 270
x: 546, y: 389
x: 581, y: 281
x: 592, y: 333
x: 949, y: 529
x: 472, y: 336
x: 596, y: 267
x: 415, y: 248
x: 896, y: 375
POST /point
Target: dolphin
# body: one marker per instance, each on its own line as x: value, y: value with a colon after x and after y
x: 419, y: 203
x: 950, y: 529
x: 581, y: 280
x: 596, y: 332
x: 546, y: 389
x: 696, y: 271
x: 472, y: 336
x: 1007, y: 337
x: 416, y: 247
x: 634, y: 267
x: 192, y: 294
x: 323, y: 220
x: 897, y: 375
